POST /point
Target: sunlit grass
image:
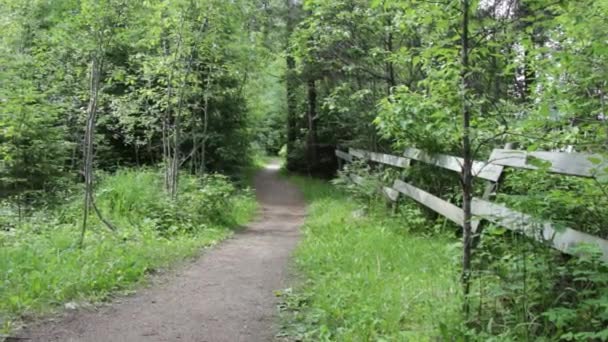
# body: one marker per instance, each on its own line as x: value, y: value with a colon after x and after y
x: 368, y: 277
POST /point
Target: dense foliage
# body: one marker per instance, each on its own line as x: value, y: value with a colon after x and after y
x: 171, y: 79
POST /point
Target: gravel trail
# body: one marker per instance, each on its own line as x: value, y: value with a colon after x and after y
x: 225, y: 295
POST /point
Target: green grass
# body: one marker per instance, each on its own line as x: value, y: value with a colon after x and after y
x: 41, y: 266
x: 369, y: 278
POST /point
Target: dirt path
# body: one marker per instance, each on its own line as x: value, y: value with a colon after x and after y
x: 226, y: 295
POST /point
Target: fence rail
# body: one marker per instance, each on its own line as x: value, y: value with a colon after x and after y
x: 484, y: 170
x: 574, y: 164
x: 445, y: 208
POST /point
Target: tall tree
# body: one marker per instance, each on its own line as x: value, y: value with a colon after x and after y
x: 102, y: 19
x: 467, y: 175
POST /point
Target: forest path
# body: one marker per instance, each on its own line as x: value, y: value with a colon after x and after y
x: 225, y: 295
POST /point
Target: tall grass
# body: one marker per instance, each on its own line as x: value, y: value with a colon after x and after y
x: 41, y: 266
x: 369, y: 276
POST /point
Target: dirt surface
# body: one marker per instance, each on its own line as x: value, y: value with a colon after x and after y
x: 226, y: 295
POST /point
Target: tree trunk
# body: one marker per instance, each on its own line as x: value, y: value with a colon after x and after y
x: 312, y: 131
x: 170, y: 135
x: 88, y: 145
x: 291, y: 83
x: 88, y: 150
x: 390, y: 68
x: 467, y: 179
x: 205, y: 123
x: 166, y: 122
x: 176, y: 154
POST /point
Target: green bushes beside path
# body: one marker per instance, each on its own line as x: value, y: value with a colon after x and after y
x: 42, y: 268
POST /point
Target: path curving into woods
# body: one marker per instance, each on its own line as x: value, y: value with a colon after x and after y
x: 225, y: 295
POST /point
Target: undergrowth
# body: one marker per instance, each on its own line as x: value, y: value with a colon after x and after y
x: 368, y: 275
x: 42, y: 267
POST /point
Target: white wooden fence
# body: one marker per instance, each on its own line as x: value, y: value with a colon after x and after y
x: 573, y: 164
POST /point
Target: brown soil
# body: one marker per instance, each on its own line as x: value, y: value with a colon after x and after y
x: 225, y: 295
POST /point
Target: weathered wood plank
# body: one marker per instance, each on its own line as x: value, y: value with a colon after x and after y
x: 343, y: 155
x: 574, y: 164
x: 447, y: 209
x: 361, y: 154
x: 483, y: 170
x: 382, y: 158
x: 389, y: 159
x: 390, y: 193
x: 357, y: 180
x: 489, y: 189
x: 564, y: 240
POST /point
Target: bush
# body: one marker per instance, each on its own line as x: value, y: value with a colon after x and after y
x: 523, y: 290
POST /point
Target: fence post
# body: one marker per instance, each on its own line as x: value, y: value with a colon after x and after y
x: 491, y: 188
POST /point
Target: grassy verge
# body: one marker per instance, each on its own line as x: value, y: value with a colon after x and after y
x: 41, y: 266
x: 369, y: 276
